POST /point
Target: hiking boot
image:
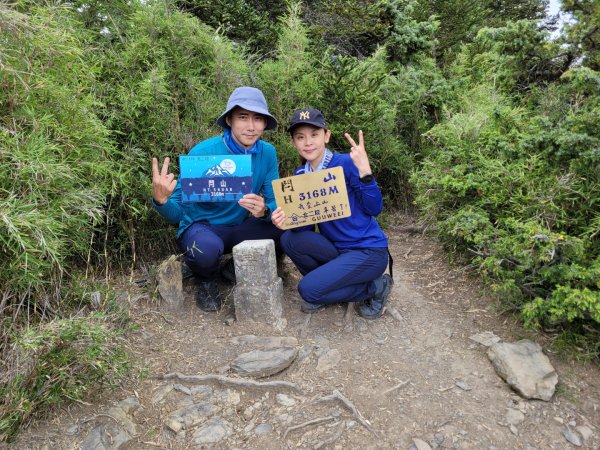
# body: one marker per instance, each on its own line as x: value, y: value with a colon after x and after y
x: 311, y: 308
x: 373, y: 308
x: 228, y: 271
x: 208, y: 297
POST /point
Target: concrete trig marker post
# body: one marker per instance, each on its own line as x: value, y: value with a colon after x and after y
x: 258, y: 294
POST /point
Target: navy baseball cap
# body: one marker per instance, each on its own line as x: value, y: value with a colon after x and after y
x: 251, y: 99
x: 309, y: 116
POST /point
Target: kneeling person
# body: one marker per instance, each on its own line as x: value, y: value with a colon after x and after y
x: 346, y: 260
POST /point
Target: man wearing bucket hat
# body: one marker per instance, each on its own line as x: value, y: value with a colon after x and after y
x: 210, y: 229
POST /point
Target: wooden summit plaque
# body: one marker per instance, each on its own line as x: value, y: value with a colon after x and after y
x: 313, y: 197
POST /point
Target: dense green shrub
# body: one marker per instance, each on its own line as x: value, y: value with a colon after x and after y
x: 56, y: 169
x: 514, y: 181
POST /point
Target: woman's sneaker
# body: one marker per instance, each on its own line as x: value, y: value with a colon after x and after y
x: 208, y: 297
x: 373, y: 308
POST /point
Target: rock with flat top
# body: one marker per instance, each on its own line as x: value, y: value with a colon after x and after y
x: 525, y: 368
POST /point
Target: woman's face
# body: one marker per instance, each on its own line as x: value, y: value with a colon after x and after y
x: 310, y: 142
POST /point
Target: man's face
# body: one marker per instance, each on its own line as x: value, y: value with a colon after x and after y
x: 246, y: 126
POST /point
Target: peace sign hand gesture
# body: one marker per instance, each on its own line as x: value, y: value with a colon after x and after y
x: 358, y: 154
x: 163, y: 183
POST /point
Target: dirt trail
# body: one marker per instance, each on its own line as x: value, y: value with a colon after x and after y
x: 417, y: 377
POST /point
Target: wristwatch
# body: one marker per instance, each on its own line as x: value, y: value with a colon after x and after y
x: 366, y: 179
x: 267, y: 211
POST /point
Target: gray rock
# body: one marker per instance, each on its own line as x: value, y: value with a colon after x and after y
x: 585, y: 432
x: 420, y: 444
x: 169, y: 283
x: 571, y: 436
x: 263, y: 428
x: 191, y: 415
x: 105, y: 437
x: 486, y: 338
x: 463, y: 385
x: 265, y: 341
x: 525, y: 368
x: 125, y: 421
x: 161, y: 392
x: 214, y: 430
x: 285, y: 400
x: 514, y: 416
x: 329, y: 360
x: 263, y: 363
x: 129, y: 405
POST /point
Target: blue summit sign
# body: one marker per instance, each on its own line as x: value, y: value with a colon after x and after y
x: 215, y: 178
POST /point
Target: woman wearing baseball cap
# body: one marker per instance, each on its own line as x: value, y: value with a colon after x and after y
x: 346, y: 260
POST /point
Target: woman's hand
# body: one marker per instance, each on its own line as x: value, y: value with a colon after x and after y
x: 278, y: 218
x: 358, y: 154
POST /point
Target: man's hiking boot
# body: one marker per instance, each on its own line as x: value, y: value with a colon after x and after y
x: 373, y: 308
x: 311, y: 308
x: 208, y: 297
x: 228, y: 271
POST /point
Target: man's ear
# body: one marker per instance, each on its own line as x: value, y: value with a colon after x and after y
x: 327, y: 136
x: 228, y: 120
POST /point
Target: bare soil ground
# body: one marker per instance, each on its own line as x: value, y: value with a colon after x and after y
x: 414, y: 376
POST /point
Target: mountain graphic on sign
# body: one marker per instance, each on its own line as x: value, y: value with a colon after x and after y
x: 216, y: 171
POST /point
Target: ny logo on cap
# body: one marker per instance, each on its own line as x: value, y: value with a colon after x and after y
x: 304, y: 115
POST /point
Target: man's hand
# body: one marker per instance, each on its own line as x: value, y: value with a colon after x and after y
x: 253, y: 203
x: 358, y: 154
x: 163, y: 183
x: 278, y: 218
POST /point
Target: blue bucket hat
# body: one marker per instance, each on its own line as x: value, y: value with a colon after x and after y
x: 251, y: 99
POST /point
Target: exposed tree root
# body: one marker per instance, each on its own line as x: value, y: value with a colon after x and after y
x: 337, y: 395
x: 306, y: 424
x: 231, y: 382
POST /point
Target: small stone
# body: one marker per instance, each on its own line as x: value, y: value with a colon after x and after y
x: 514, y: 417
x: 263, y: 428
x: 329, y: 360
x: 174, y: 424
x: 464, y: 386
x: 72, y: 430
x: 487, y: 338
x: 420, y: 444
x: 571, y: 436
x: 585, y: 432
x: 513, y: 430
x: 213, y: 431
x: 438, y: 440
x: 161, y: 392
x: 285, y: 400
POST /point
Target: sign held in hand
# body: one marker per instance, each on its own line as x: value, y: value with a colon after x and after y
x: 313, y: 197
x: 215, y: 178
